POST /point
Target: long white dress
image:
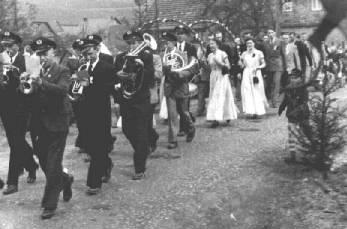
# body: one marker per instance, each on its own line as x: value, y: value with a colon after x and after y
x: 254, y: 101
x: 221, y: 104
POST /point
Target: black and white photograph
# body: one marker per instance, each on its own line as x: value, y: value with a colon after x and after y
x: 173, y: 114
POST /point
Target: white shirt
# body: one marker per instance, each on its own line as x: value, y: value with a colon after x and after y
x: 181, y: 46
x: 7, y: 58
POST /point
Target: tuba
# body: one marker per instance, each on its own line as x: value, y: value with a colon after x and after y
x: 132, y: 82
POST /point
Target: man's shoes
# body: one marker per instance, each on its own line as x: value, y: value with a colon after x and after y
x: 139, y: 176
x: 192, y: 117
x: 47, y: 213
x: 153, y: 146
x: 32, y: 176
x: 191, y: 135
x: 172, y: 145
x: 67, y: 190
x: 93, y: 191
x: 87, y: 158
x: 214, y: 124
x: 107, y: 177
x: 10, y: 189
x: 2, y: 183
x: 290, y: 160
x: 181, y: 133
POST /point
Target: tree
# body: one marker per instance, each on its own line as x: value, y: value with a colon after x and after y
x: 140, y: 12
x: 246, y: 14
x: 16, y: 16
x: 325, y: 135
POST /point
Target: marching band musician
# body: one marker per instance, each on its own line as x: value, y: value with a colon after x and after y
x: 136, y: 111
x: 14, y: 115
x: 184, y: 46
x: 97, y: 110
x: 78, y: 106
x: 176, y: 91
x: 105, y: 55
x: 50, y: 120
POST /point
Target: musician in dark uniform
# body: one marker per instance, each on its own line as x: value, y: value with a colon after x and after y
x: 78, y: 103
x: 136, y: 108
x: 106, y: 57
x: 184, y: 46
x: 97, y: 108
x: 176, y: 91
x: 14, y: 114
x: 50, y: 121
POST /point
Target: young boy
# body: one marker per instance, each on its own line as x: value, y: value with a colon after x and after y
x: 295, y: 100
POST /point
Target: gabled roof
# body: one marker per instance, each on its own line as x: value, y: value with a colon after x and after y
x: 185, y: 10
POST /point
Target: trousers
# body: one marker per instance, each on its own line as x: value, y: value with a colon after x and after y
x: 175, y: 107
x: 21, y: 154
x: 50, y: 147
x: 136, y: 126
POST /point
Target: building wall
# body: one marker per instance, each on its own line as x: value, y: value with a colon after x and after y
x: 302, y: 15
x: 304, y: 20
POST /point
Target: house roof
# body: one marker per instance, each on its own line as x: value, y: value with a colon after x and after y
x: 185, y: 10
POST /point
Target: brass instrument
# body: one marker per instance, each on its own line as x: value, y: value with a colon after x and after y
x: 8, y: 71
x: 78, y: 80
x: 131, y: 82
x: 177, y: 62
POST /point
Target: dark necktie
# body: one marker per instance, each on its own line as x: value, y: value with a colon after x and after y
x: 90, y: 68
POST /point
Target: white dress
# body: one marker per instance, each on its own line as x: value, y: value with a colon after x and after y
x: 254, y: 101
x: 221, y: 104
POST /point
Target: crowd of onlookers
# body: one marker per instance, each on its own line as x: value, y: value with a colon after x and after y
x: 281, y: 55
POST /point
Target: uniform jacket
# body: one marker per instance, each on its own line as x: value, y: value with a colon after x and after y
x: 10, y: 98
x: 142, y: 97
x: 52, y: 107
x: 105, y: 57
x: 97, y: 105
x: 176, y: 84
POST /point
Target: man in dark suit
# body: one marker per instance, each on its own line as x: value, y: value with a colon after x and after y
x: 235, y: 68
x: 135, y: 106
x: 304, y: 54
x: 97, y: 107
x: 50, y: 120
x: 275, y: 67
x: 15, y: 115
x: 184, y: 46
x: 104, y: 55
x: 176, y: 92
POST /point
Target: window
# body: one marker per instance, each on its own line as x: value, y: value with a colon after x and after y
x: 316, y: 5
x: 287, y: 6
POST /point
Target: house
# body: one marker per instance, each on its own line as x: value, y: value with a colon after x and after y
x: 300, y: 16
x: 303, y: 16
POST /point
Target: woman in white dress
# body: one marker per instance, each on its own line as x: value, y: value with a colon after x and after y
x: 221, y: 105
x: 254, y: 102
